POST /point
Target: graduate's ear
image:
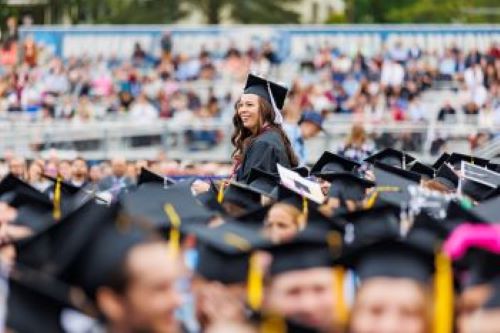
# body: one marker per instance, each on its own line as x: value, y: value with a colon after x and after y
x: 111, y: 304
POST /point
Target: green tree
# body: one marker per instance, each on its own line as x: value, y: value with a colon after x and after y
x: 247, y: 11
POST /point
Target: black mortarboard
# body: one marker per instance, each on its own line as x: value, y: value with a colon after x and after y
x: 424, y: 221
x: 446, y: 176
x: 11, y: 183
x: 440, y: 161
x: 365, y: 226
x: 348, y: 186
x: 456, y: 159
x: 243, y: 196
x: 66, y: 188
x: 224, y: 251
x: 263, y: 88
x: 309, y: 249
x: 209, y: 199
x: 263, y: 182
x: 456, y: 214
x: 36, y: 301
x: 302, y: 171
x: 392, y: 257
x: 329, y: 163
x: 147, y: 176
x: 488, y: 210
x: 422, y: 169
x: 286, y: 195
x: 53, y: 249
x: 103, y: 256
x: 149, y: 202
x: 494, y: 167
x: 391, y: 157
x: 34, y: 210
x: 392, y: 183
x: 476, y: 190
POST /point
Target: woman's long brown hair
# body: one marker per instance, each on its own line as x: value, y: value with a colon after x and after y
x: 242, y: 137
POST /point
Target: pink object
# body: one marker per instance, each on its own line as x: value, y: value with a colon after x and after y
x: 466, y: 236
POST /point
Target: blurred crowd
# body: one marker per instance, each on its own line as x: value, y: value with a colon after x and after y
x: 37, y: 85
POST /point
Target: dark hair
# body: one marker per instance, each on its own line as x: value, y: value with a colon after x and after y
x: 242, y: 137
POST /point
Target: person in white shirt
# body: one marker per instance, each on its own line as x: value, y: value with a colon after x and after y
x: 142, y: 110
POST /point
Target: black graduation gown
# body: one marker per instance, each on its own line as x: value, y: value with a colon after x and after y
x: 263, y: 153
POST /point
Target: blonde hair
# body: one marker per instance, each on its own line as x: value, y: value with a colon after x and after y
x: 298, y: 217
x: 357, y: 137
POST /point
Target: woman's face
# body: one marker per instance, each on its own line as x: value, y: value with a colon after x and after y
x: 280, y: 225
x: 248, y: 111
x: 385, y: 305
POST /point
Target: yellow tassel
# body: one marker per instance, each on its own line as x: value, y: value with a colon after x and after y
x: 254, y: 283
x: 371, y: 200
x: 341, y: 309
x: 273, y: 323
x: 57, y: 200
x: 175, y: 235
x: 220, y: 195
x: 443, y: 295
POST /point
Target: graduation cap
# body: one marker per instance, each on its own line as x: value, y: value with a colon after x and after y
x: 392, y: 184
x: 456, y: 159
x: 66, y: 188
x: 302, y: 171
x: 391, y: 157
x: 263, y: 182
x: 392, y: 257
x: 493, y: 167
x: 52, y: 250
x: 310, y: 248
x: 488, y: 211
x: 476, y: 190
x: 440, y: 161
x: 425, y: 222
x: 272, y: 92
x: 347, y: 186
x: 366, y: 225
x: 243, y: 195
x: 224, y: 251
x: 150, y: 200
x: 457, y: 214
x: 329, y: 163
x: 209, y: 199
x: 482, y: 266
x: 104, y: 254
x: 423, y: 170
x: 37, y: 301
x: 34, y: 210
x: 446, y: 176
x: 147, y: 176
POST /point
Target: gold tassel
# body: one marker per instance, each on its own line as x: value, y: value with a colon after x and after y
x: 254, y: 283
x: 272, y: 323
x: 305, y: 213
x: 175, y: 235
x: 220, y: 195
x: 443, y: 295
x: 341, y: 309
x: 57, y: 200
x: 371, y: 200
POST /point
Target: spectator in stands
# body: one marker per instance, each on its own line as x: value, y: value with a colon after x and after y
x: 309, y: 126
x: 142, y: 110
x: 358, y: 146
x: 35, y: 179
x: 12, y: 32
x: 65, y: 170
x: 117, y: 183
x: 446, y: 111
x: 79, y: 172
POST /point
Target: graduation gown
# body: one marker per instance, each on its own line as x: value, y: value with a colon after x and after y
x: 263, y: 153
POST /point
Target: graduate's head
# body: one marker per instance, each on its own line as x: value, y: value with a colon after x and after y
x: 143, y: 294
x: 283, y: 221
x: 252, y: 113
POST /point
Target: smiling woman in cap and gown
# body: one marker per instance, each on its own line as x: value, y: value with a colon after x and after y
x: 259, y: 139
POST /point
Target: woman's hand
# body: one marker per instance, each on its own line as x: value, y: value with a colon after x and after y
x: 200, y: 187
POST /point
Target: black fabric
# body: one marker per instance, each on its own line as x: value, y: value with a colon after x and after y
x: 264, y: 153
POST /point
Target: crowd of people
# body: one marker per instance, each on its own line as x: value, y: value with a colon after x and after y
x: 386, y: 245
x: 142, y: 87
